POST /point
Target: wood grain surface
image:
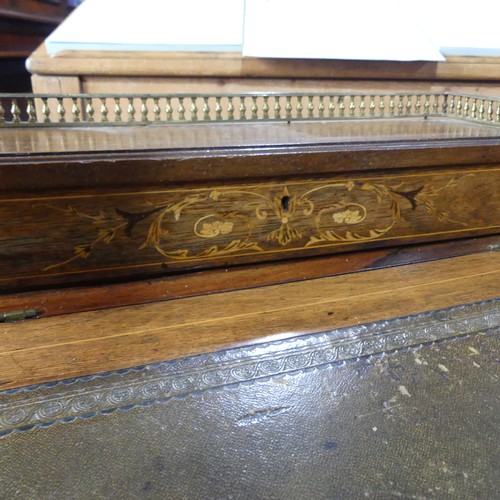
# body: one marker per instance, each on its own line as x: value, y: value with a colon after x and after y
x: 80, y: 236
x: 217, y: 65
x: 77, y: 344
x: 53, y: 302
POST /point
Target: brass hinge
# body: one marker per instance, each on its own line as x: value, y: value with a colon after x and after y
x: 9, y: 317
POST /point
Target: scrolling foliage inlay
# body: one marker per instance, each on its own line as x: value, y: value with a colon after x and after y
x: 214, y: 222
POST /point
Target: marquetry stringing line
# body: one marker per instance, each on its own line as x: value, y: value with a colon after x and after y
x: 36, y: 110
x: 47, y: 404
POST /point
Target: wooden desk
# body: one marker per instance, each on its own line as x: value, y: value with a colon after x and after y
x: 312, y: 397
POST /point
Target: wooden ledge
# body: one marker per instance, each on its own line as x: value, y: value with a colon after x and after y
x: 73, y: 345
x: 233, y: 65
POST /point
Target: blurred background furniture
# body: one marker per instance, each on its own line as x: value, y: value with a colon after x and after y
x: 24, y: 24
x: 212, y: 73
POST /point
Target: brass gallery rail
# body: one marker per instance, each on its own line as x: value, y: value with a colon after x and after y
x: 35, y: 110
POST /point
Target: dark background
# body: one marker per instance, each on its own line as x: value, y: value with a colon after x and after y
x: 24, y: 25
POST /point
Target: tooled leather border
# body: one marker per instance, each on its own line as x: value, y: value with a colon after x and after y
x: 64, y: 401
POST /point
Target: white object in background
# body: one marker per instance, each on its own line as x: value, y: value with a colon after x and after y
x: 187, y: 25
x: 460, y: 29
x: 319, y: 29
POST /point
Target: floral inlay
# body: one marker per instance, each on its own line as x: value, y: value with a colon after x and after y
x: 210, y: 230
x: 312, y: 218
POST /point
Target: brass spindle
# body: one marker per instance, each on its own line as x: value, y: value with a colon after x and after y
x: 288, y: 108
x: 331, y: 107
x: 169, y: 109
x: 230, y: 108
x: 144, y: 110
x: 392, y: 105
x: 206, y: 109
x: 341, y: 103
x: 31, y: 111
x: 459, y: 106
x: 45, y: 110
x: 242, y: 108
x: 218, y: 109
x: 473, y: 109
x: 104, y: 110
x: 435, y: 105
x: 321, y: 107
x: 498, y: 112
x: 451, y: 106
x: 381, y: 105
x: 400, y: 105
x: 255, y: 108
x: 265, y: 109
x: 372, y: 105
x: 181, y: 110
x: 194, y: 110
x: 466, y: 107
x: 444, y: 107
x: 156, y: 109
x: 310, y: 107
x: 61, y: 112
x: 16, y: 112
x: 481, y: 110
x: 352, y: 106
x: 2, y: 113
x: 418, y: 105
x: 277, y: 108
x: 299, y: 106
x: 131, y: 109
x: 408, y: 104
x: 427, y: 105
x: 362, y: 106
x: 75, y: 111
x: 490, y: 111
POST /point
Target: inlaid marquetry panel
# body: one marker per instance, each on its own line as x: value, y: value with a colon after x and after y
x: 81, y: 235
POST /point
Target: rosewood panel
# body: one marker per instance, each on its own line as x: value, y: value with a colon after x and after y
x: 82, y: 235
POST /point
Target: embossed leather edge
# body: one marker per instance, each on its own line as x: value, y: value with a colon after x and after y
x: 44, y: 405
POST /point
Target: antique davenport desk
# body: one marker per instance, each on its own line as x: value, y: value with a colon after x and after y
x: 249, y: 296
